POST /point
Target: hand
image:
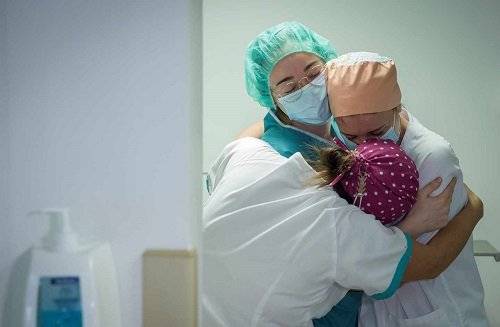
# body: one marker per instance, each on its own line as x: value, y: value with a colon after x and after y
x: 429, y: 212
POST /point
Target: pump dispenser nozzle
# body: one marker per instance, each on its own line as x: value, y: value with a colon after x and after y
x: 60, y: 237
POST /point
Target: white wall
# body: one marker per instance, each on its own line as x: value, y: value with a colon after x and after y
x: 447, y: 56
x: 4, y: 149
x: 100, y: 105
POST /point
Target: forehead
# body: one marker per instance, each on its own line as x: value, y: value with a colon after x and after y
x: 291, y: 65
x: 360, y: 125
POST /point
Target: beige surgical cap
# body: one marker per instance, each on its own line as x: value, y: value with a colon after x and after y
x: 361, y: 83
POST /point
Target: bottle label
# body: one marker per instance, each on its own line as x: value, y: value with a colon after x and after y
x: 59, y: 302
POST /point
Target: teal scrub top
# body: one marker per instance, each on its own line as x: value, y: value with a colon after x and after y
x: 288, y: 141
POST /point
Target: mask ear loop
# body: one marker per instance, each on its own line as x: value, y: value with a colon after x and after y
x: 397, y: 121
x: 337, y: 179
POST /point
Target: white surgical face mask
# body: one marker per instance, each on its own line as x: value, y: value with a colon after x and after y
x: 311, y: 107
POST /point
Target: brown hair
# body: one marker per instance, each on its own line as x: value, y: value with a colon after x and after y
x: 330, y: 163
x: 282, y: 116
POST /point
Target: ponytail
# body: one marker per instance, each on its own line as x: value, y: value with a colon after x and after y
x: 332, y: 162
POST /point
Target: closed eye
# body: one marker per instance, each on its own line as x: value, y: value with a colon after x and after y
x: 350, y: 137
x: 377, y: 133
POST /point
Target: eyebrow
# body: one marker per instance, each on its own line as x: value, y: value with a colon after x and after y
x: 310, y: 65
x: 286, y: 79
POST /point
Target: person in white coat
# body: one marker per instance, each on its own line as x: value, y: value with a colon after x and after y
x: 276, y: 252
x: 372, y: 107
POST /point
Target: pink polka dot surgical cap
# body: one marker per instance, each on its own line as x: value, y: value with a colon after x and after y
x: 382, y: 180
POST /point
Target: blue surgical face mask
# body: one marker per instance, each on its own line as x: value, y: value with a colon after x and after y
x: 311, y: 107
x: 391, y: 134
x: 348, y: 143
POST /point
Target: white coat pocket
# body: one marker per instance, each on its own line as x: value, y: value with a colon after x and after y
x: 436, y: 318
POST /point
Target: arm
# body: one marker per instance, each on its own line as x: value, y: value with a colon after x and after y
x: 396, y: 258
x: 444, y: 163
x: 255, y: 130
x: 441, y: 163
x: 429, y: 212
x: 428, y: 261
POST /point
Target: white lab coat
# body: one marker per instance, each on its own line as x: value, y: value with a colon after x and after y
x: 278, y: 253
x: 455, y: 298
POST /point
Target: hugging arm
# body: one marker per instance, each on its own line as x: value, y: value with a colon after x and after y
x: 255, y: 130
x: 429, y: 260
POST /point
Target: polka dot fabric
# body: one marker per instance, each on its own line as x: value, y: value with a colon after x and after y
x: 382, y: 180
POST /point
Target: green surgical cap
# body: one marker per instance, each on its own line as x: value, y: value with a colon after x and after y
x: 271, y: 46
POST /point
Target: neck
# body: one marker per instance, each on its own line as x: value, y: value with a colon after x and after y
x: 319, y: 130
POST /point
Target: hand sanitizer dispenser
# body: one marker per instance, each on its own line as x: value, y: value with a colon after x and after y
x: 69, y: 283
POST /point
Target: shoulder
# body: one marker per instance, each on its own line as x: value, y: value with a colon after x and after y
x: 433, y: 155
x: 249, y: 147
x: 239, y: 155
x: 247, y: 143
x: 442, y: 152
x: 427, y: 147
